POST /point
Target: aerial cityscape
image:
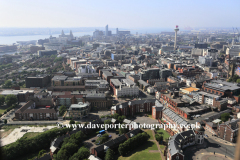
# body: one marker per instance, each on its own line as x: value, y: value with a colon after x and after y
x: 97, y: 81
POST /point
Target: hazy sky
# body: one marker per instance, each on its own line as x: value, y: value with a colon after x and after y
x: 120, y: 13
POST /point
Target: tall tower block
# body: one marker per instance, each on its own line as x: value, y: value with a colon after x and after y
x: 106, y: 30
x: 175, y: 42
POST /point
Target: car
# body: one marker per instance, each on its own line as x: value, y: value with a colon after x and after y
x: 206, y: 135
x: 99, y: 135
x: 119, y: 134
x: 198, y: 116
x: 93, y: 140
x: 109, y: 136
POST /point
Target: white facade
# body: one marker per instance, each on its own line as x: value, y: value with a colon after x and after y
x: 127, y: 91
x: 85, y: 68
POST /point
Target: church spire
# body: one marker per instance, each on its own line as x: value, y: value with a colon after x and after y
x: 62, y: 32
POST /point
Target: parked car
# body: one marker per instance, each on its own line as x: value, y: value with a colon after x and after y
x: 206, y: 135
x: 93, y: 140
x: 198, y: 116
x: 99, y: 135
x: 109, y: 136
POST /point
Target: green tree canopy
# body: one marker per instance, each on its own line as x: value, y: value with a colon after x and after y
x: 8, y: 83
x: 225, y: 117
x: 62, y: 110
x: 72, y: 122
x: 238, y: 80
x: 2, y: 100
x: 41, y: 153
x: 108, y: 121
x: 121, y: 118
x: 11, y: 99
x: 83, y: 153
x: 109, y: 155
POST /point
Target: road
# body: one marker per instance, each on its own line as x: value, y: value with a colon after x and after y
x: 209, y: 146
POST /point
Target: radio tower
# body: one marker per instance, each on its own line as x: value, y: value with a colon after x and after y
x: 175, y: 42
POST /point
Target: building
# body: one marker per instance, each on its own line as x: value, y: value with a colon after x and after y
x: 106, y: 30
x: 124, y: 88
x: 118, y: 57
x: 34, y: 49
x: 211, y: 99
x: 66, y: 81
x: 175, y: 41
x: 133, y: 107
x: 100, y: 85
x: 179, y: 141
x: 234, y: 50
x: 151, y: 73
x: 229, y: 130
x: 205, y: 60
x: 157, y: 110
x: 38, y: 81
x: 30, y: 111
x: 22, y: 95
x: 78, y: 111
x: 42, y: 53
x: 222, y: 88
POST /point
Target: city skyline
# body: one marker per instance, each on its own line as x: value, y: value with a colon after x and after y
x: 127, y: 14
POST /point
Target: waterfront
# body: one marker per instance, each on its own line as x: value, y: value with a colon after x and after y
x: 13, y: 39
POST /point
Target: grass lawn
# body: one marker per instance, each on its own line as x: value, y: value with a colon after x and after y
x: 162, y: 147
x: 142, y: 152
x: 165, y: 134
x: 31, y: 134
x: 150, y: 115
x: 3, y: 109
x: 150, y: 133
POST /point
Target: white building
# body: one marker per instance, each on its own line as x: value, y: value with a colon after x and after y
x: 86, y: 68
x: 233, y: 50
x: 124, y: 88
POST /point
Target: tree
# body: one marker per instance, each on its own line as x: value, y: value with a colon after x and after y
x: 5, y: 121
x: 83, y: 153
x: 115, y: 116
x: 41, y: 153
x: 67, y: 151
x: 225, y: 116
x: 2, y: 100
x: 108, y: 121
x: 62, y: 110
x: 10, y: 100
x: 123, y: 130
x: 121, y: 118
x: 8, y: 83
x: 72, y: 122
x: 238, y: 81
x: 109, y: 155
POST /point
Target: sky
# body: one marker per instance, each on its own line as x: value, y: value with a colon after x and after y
x: 120, y: 13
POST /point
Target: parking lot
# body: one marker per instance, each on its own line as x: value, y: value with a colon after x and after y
x: 145, y: 120
x: 89, y: 144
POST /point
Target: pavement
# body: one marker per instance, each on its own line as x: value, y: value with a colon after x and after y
x: 212, y: 156
x: 17, y: 133
x: 145, y: 120
x: 219, y: 140
x: 209, y: 146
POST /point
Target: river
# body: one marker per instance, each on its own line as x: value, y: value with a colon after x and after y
x: 8, y: 40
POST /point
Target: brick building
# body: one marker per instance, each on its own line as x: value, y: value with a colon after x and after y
x: 38, y: 81
x: 229, y: 130
x: 133, y: 107
x: 30, y: 111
